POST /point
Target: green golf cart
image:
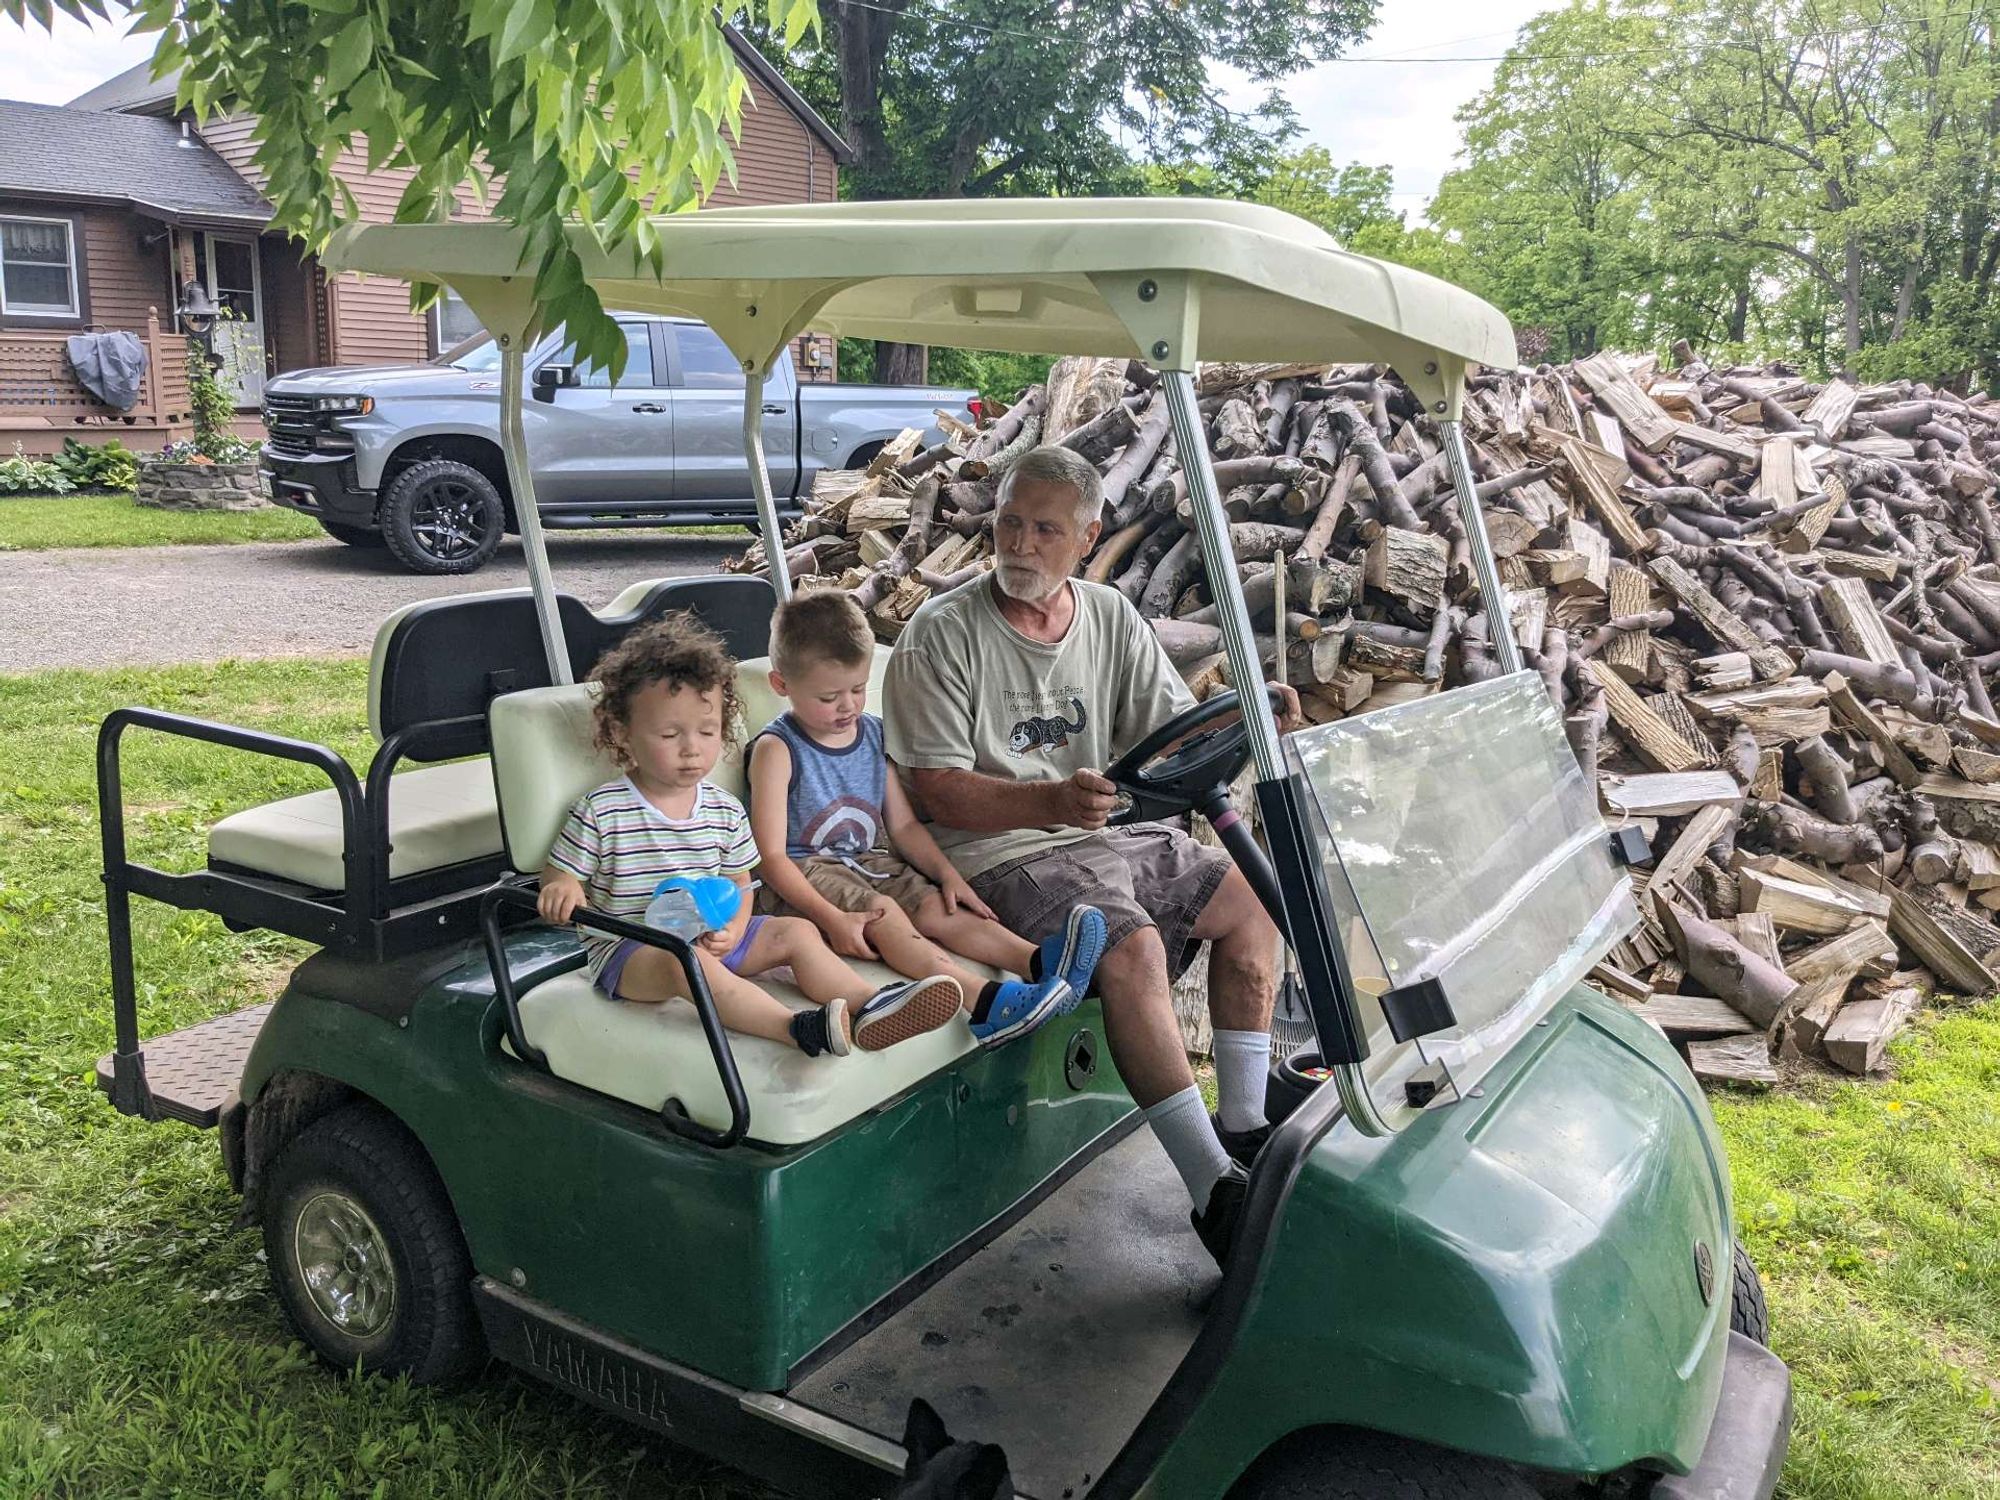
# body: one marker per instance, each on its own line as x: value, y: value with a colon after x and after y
x: 1488, y: 1250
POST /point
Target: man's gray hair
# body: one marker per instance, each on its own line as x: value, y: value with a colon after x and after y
x: 1054, y: 464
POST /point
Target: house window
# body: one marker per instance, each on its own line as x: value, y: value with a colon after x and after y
x: 37, y: 268
x: 452, y: 322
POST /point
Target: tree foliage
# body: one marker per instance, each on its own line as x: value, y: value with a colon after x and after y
x: 594, y: 112
x: 1809, y: 177
x: 1041, y: 97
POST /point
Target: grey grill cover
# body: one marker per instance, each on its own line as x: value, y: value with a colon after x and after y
x: 110, y: 365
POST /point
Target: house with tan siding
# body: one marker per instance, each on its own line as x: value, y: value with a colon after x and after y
x: 116, y: 213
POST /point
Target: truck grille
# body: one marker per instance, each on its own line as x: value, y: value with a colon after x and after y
x: 291, y: 422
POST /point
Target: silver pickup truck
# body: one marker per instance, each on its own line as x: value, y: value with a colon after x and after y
x: 408, y: 456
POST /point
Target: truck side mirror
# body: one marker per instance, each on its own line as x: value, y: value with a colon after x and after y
x: 551, y: 378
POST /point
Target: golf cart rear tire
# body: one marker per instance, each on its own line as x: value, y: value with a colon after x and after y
x: 1355, y: 1465
x: 414, y: 488
x: 359, y: 1155
x: 1747, y: 1313
x: 354, y: 536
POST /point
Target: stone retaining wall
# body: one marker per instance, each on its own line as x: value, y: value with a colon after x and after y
x: 182, y: 486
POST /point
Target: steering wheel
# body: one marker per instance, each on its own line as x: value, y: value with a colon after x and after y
x: 1188, y: 762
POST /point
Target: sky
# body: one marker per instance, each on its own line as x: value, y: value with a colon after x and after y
x: 1396, y: 112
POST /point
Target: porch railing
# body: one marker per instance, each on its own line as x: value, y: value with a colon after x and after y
x: 37, y: 385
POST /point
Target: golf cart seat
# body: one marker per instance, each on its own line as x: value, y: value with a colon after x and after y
x: 543, y: 760
x: 435, y: 666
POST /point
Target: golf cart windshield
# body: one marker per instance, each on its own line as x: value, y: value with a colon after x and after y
x: 1461, y: 843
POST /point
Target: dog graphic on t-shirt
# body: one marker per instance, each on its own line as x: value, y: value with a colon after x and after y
x: 1052, y: 732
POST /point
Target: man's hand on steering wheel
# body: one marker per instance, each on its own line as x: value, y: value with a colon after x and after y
x: 1189, y: 761
x: 1293, y: 717
x: 1087, y: 799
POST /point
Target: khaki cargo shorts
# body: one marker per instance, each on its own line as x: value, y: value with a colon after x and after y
x: 851, y: 890
x: 1148, y: 875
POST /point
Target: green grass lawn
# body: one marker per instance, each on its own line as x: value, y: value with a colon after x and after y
x: 34, y: 523
x: 142, y: 1355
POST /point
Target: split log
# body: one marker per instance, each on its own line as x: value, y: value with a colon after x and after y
x: 1861, y: 1033
x: 1940, y: 951
x: 1409, y: 565
x: 1696, y: 1017
x: 1737, y: 1059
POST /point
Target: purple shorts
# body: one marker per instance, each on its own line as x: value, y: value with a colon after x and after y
x: 614, y: 966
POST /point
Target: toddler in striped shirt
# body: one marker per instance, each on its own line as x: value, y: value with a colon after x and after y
x: 666, y: 709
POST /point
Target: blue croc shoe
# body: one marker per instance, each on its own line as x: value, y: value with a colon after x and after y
x: 1019, y: 1007
x: 1072, y: 954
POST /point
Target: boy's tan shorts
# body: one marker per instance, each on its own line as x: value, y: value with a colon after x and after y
x: 850, y: 890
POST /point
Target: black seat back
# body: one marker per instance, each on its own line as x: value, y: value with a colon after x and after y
x: 449, y: 658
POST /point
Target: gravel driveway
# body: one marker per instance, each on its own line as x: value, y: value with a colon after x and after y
x: 116, y: 606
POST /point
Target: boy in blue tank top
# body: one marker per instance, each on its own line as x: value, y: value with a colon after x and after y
x: 840, y: 844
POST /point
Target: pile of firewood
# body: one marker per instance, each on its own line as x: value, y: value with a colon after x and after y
x: 1765, y: 608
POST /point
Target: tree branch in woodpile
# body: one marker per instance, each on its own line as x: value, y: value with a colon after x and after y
x: 1725, y: 967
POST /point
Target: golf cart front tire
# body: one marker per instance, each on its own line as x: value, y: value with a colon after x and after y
x: 1356, y: 1465
x: 365, y: 1252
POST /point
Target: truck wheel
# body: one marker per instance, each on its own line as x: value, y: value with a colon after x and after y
x: 1747, y: 1313
x: 1375, y: 1466
x: 354, y: 536
x: 441, y: 516
x: 365, y: 1251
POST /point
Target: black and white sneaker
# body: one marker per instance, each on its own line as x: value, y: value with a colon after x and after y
x: 822, y: 1028
x: 1217, y: 1223
x: 897, y: 1012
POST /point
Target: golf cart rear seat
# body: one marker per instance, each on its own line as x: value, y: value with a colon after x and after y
x: 543, y: 760
x: 397, y: 859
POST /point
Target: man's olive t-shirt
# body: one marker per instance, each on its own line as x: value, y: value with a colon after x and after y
x: 967, y: 691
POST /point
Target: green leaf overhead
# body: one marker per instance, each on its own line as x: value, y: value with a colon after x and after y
x: 595, y: 111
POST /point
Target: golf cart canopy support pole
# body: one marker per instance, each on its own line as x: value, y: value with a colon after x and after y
x: 1224, y: 584
x: 1492, y: 594
x: 754, y: 376
x: 521, y: 481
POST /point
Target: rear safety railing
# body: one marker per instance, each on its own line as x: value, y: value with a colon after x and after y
x: 204, y: 890
x: 672, y: 1113
x: 361, y: 917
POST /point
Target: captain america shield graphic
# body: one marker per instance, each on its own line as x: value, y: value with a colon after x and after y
x: 846, y: 825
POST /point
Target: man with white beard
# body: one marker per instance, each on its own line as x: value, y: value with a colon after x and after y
x: 1004, y: 701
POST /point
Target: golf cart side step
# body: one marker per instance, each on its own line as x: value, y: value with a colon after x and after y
x: 193, y: 1071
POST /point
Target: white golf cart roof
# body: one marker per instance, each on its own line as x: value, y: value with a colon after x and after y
x: 1167, y: 280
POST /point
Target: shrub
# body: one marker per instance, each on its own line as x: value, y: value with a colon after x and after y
x: 112, y: 466
x: 22, y: 475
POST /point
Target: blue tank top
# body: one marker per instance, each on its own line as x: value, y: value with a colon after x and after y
x: 836, y: 799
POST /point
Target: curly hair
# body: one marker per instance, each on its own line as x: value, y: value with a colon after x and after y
x: 676, y: 649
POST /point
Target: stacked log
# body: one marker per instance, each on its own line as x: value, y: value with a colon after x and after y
x: 1766, y: 607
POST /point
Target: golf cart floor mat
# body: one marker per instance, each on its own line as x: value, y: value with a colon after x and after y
x: 192, y: 1072
x: 1054, y: 1340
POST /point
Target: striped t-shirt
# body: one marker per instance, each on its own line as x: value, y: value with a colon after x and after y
x: 621, y: 847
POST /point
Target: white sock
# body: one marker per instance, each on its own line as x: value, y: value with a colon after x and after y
x: 1242, y: 1068
x: 1180, y: 1123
